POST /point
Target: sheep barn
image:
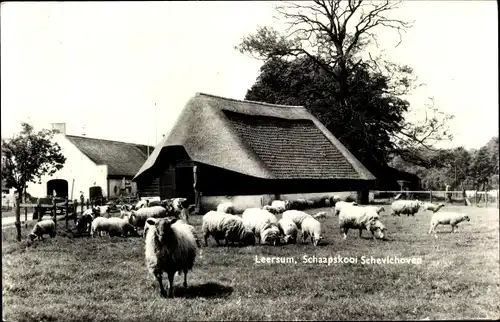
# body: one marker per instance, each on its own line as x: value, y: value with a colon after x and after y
x: 223, y: 149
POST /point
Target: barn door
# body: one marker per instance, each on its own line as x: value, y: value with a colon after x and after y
x: 184, y: 183
x: 167, y: 183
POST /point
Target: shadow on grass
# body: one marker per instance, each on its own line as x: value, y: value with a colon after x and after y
x: 207, y: 290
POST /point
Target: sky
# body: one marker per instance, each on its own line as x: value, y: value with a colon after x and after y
x: 124, y: 70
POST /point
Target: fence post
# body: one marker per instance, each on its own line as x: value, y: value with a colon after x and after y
x: 39, y: 209
x: 66, y: 210
x: 486, y: 198
x: 75, y: 208
x: 25, y: 217
x: 430, y: 196
x: 475, y: 198
x: 54, y: 211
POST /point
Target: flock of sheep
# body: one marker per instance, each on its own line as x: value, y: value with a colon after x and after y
x: 171, y: 242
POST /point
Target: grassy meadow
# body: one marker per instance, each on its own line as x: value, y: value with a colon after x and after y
x: 105, y: 279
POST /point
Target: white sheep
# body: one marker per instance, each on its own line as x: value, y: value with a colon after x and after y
x: 320, y: 215
x: 170, y: 247
x: 103, y: 210
x: 289, y: 230
x: 141, y: 204
x: 226, y: 207
x: 140, y: 216
x: 296, y: 216
x: 43, y: 227
x: 433, y: 207
x: 221, y: 225
x: 311, y: 227
x: 362, y: 218
x: 114, y: 226
x: 263, y: 224
x: 270, y: 209
x: 447, y: 218
x: 406, y: 207
x: 378, y: 209
x: 341, y: 204
x: 280, y: 205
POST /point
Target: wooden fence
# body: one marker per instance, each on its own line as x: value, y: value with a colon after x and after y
x: 475, y: 198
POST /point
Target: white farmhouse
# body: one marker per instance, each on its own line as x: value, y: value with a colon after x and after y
x: 92, y: 162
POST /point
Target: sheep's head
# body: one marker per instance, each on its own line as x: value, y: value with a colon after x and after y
x: 32, y: 237
x: 316, y: 239
x: 290, y: 239
x: 380, y: 209
x: 162, y: 226
x: 248, y: 238
x: 466, y: 218
x: 441, y: 205
x: 271, y: 235
x: 378, y: 229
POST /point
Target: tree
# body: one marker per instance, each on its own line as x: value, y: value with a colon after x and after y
x: 27, y: 157
x: 322, y: 50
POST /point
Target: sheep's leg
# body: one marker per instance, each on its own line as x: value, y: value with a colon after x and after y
x: 158, y: 276
x: 452, y: 228
x: 345, y: 230
x: 206, y: 240
x: 361, y: 233
x: 185, y: 278
x: 171, y: 284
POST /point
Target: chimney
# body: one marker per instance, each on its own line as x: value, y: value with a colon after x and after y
x: 59, y: 127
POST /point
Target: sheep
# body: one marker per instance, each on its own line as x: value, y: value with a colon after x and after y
x: 154, y: 203
x: 225, y: 226
x: 86, y: 219
x: 277, y: 206
x: 270, y: 209
x: 296, y: 216
x: 226, y: 207
x: 362, y: 218
x: 141, y: 204
x: 298, y: 204
x: 377, y: 209
x: 103, y: 210
x: 408, y: 207
x: 433, y: 207
x: 126, y: 207
x: 447, y: 218
x: 311, y: 227
x: 289, y: 230
x: 341, y: 204
x: 170, y: 247
x: 263, y: 224
x: 43, y: 227
x: 140, y: 216
x: 113, y: 226
x: 320, y: 215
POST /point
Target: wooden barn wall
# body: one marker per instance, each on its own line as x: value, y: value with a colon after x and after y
x: 148, y: 187
x: 217, y: 182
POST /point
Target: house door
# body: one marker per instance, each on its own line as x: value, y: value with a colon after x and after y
x: 184, y: 183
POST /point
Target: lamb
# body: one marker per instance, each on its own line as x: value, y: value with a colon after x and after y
x: 289, y: 230
x: 320, y: 215
x: 408, y: 207
x: 341, y: 204
x: 263, y: 224
x: 43, y: 227
x: 226, y: 207
x: 447, y: 218
x: 113, y: 226
x: 433, y: 207
x: 362, y: 218
x: 170, y: 247
x: 311, y: 227
x: 225, y: 226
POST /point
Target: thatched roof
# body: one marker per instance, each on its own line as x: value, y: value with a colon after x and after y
x: 122, y: 159
x: 258, y: 139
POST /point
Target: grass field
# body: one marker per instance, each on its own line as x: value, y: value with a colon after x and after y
x: 105, y: 279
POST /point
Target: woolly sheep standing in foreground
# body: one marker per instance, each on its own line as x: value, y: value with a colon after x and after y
x: 289, y: 230
x: 43, y: 227
x: 341, y: 204
x: 225, y: 226
x: 298, y: 216
x: 433, y: 207
x: 406, y: 207
x: 170, y: 247
x: 363, y: 219
x: 226, y: 207
x: 263, y: 224
x: 447, y: 218
x: 311, y: 227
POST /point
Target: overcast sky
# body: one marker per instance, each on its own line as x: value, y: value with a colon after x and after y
x: 100, y: 67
